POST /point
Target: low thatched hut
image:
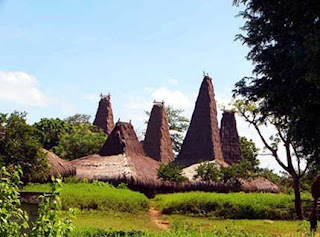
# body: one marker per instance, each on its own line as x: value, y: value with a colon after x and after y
x: 121, y: 159
x: 58, y: 166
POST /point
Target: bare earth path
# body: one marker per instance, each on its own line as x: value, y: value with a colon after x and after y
x: 155, y: 216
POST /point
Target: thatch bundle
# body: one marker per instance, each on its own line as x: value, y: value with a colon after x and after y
x: 121, y: 159
x: 59, y: 166
x: 202, y: 141
x: 157, y: 143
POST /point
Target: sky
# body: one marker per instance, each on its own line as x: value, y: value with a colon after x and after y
x: 58, y: 56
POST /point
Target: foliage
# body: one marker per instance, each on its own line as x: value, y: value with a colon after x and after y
x: 13, y: 218
x: 49, y: 131
x: 178, y: 125
x: 18, y: 146
x: 231, y: 205
x: 284, y: 38
x: 49, y: 222
x: 249, y: 152
x: 208, y: 171
x: 78, y: 119
x: 97, y: 196
x: 82, y: 140
x: 252, y: 113
x: 171, y: 172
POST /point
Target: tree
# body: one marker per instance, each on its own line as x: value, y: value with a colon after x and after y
x: 49, y: 131
x: 171, y: 172
x: 81, y: 140
x: 78, y: 119
x: 284, y: 38
x: 249, y: 152
x: 178, y: 125
x: 18, y: 146
x: 284, y: 41
x: 252, y: 114
x: 208, y: 171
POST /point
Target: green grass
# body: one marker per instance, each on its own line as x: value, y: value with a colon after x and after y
x: 198, y: 226
x: 229, y: 206
x: 97, y: 196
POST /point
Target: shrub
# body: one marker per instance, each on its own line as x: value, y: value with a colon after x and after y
x: 171, y: 172
x: 208, y: 172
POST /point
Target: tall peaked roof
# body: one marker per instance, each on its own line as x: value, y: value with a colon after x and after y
x: 202, y: 141
x: 229, y: 138
x: 157, y: 143
x: 104, y: 115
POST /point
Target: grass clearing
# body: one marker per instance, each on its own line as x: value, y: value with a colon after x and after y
x: 229, y: 206
x: 97, y: 196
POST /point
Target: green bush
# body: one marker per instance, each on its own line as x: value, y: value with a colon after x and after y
x: 231, y: 205
x: 171, y: 172
x: 97, y: 196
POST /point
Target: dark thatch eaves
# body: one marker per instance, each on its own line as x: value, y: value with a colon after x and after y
x: 202, y: 142
x: 104, y: 115
x: 121, y: 159
x: 157, y: 143
x: 229, y: 138
x: 58, y: 166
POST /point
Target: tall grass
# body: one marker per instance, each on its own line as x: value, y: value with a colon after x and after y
x: 231, y: 205
x: 97, y: 196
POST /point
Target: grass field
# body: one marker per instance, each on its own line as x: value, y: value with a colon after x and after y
x: 97, y: 196
x: 108, y: 211
x: 229, y: 206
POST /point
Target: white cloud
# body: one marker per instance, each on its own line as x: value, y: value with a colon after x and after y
x: 173, y: 81
x: 21, y: 88
x: 92, y: 98
x: 175, y: 98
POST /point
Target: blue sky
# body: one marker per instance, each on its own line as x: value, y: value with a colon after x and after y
x: 58, y: 56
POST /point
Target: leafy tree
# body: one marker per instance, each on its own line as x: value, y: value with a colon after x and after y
x: 249, y: 152
x: 171, y: 172
x: 252, y: 114
x: 18, y: 146
x: 284, y: 41
x: 78, y: 119
x: 49, y: 131
x: 13, y: 218
x: 82, y: 140
x: 208, y: 171
x: 178, y: 126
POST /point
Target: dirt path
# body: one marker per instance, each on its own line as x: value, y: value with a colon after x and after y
x: 155, y: 216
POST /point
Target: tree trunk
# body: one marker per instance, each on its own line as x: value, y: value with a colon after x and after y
x: 297, y: 197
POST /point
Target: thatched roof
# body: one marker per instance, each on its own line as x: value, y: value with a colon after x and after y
x: 121, y: 159
x: 59, y: 166
x: 229, y: 138
x: 104, y: 115
x: 157, y: 143
x: 202, y: 141
x: 258, y: 184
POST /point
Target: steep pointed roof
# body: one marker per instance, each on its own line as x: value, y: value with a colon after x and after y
x: 121, y: 159
x: 229, y: 138
x: 104, y: 115
x: 202, y: 141
x: 157, y: 143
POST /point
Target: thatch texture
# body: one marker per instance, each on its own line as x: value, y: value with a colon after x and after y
x: 157, y: 143
x: 121, y: 159
x: 258, y: 184
x: 59, y: 166
x: 202, y: 142
x: 229, y: 138
x: 104, y: 115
